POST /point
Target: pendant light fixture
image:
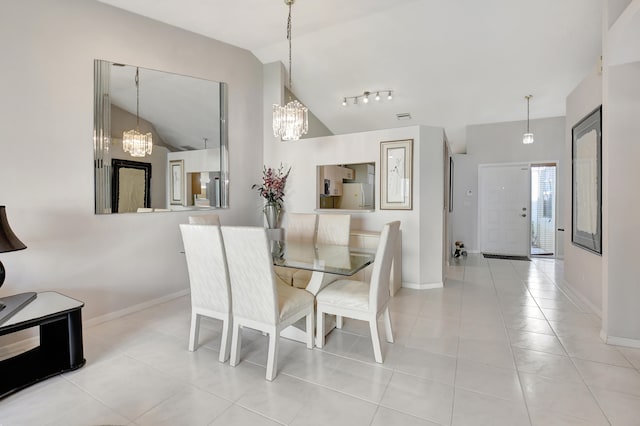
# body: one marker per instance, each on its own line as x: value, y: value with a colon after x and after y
x: 527, y: 138
x: 134, y: 142
x: 292, y: 120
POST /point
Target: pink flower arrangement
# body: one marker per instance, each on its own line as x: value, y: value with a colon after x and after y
x: 273, y: 182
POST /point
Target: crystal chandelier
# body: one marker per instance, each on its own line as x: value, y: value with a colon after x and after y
x: 527, y: 138
x: 134, y: 142
x: 292, y: 120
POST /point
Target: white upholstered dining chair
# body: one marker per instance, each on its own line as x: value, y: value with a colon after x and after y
x: 301, y: 227
x: 360, y: 300
x: 260, y: 299
x: 333, y: 229
x: 209, y: 281
x: 205, y: 219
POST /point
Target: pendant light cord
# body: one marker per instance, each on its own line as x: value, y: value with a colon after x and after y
x: 289, y: 38
x: 137, y: 101
x: 528, y: 99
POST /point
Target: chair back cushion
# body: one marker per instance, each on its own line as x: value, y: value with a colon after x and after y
x: 301, y: 227
x: 205, y: 219
x: 334, y: 229
x: 379, y: 284
x: 207, y: 266
x: 251, y: 273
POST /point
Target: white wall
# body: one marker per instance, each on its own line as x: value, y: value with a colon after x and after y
x: 316, y: 127
x: 421, y: 227
x: 46, y: 170
x: 609, y: 283
x: 582, y: 268
x: 621, y: 151
x: 502, y: 143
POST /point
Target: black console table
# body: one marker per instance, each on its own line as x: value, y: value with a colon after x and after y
x: 60, y: 321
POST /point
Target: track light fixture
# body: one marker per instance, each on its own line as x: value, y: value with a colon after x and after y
x: 365, y: 97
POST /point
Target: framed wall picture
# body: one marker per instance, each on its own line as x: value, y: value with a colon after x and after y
x: 586, y: 194
x: 176, y: 182
x: 396, y: 174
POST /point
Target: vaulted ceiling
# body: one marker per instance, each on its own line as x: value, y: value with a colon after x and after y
x: 450, y: 63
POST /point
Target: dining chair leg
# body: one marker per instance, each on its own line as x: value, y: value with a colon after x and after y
x: 375, y: 339
x: 225, y: 341
x: 272, y: 357
x: 310, y: 330
x: 320, y: 328
x: 387, y: 325
x: 194, y: 332
x: 236, y: 342
x: 338, y: 321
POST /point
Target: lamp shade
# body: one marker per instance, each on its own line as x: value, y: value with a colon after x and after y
x: 8, y: 240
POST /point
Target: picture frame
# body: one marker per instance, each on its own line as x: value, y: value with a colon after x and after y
x: 586, y: 182
x: 131, y: 185
x: 176, y: 183
x: 396, y: 175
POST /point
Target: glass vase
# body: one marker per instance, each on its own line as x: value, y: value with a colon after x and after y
x: 272, y: 214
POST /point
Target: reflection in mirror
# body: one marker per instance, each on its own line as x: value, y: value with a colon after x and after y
x: 187, y: 119
x: 346, y: 186
x: 130, y: 184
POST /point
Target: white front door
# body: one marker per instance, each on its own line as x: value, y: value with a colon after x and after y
x: 504, y: 203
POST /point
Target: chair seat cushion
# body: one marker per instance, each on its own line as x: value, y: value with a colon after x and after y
x: 301, y: 278
x: 292, y: 300
x: 346, y: 294
x: 285, y: 274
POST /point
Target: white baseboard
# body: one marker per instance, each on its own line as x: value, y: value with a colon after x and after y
x: 575, y: 294
x: 620, y: 341
x: 610, y: 340
x: 424, y: 286
x: 24, y: 345
x: 135, y: 308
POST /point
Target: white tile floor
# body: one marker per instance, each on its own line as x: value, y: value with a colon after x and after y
x: 500, y: 344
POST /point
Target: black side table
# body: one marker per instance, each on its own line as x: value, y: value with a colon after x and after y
x: 60, y: 321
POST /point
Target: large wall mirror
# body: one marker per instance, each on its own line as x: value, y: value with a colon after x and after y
x: 186, y: 117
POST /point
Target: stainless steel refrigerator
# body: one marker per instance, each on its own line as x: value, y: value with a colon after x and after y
x: 357, y: 196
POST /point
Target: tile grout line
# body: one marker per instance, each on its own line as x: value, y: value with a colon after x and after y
x: 571, y: 358
x: 513, y: 357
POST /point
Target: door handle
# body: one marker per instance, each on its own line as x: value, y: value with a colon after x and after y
x: 523, y: 215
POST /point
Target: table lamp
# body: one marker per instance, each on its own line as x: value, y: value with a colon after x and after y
x: 9, y: 242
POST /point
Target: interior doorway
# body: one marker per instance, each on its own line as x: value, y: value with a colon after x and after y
x: 543, y: 209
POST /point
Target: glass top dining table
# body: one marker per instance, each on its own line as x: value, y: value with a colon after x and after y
x: 334, y: 259
x: 327, y: 262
